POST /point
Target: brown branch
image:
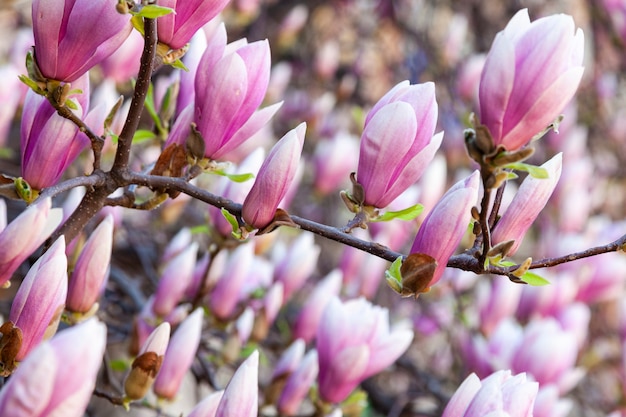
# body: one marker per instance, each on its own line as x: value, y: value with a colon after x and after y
x: 131, y: 124
x: 95, y: 199
x: 97, y: 142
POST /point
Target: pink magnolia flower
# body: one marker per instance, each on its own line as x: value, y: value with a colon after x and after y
x: 236, y: 191
x: 179, y: 356
x: 176, y: 29
x: 499, y: 394
x: 298, y: 384
x: 549, y: 403
x: 496, y: 300
x: 531, y: 73
x: 332, y: 162
x: 48, y: 382
x: 241, y: 396
x: 549, y: 352
x: 311, y: 313
x: 354, y: 342
x: 229, y: 89
x: 226, y: 293
x: 485, y: 355
x: 147, y: 364
x: 208, y: 406
x: 92, y: 269
x: 444, y: 227
x: 295, y: 262
x: 123, y: 64
x: 530, y: 199
x: 49, y: 142
x: 289, y: 360
x: 175, y: 279
x: 274, y: 178
x: 39, y: 302
x: 20, y: 238
x: 62, y: 50
x: 397, y: 143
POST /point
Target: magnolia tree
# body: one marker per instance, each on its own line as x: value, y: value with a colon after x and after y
x: 201, y: 227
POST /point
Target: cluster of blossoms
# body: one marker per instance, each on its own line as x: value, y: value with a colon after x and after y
x: 228, y: 292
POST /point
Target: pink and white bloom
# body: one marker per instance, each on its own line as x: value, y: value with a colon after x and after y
x: 274, y: 178
x: 549, y: 352
x: 312, y: 310
x: 208, y: 406
x: 500, y: 394
x: 241, y: 396
x: 147, y: 364
x: 289, y: 360
x: 39, y: 302
x: 397, y: 143
x: 298, y: 384
x: 295, y: 262
x: 92, y: 269
x: 179, y: 356
x: 532, y: 71
x: 20, y: 238
x: 354, y: 342
x: 49, y: 382
x: 176, y: 29
x: 530, y: 199
x: 444, y: 227
x: 226, y: 293
x: 49, y: 142
x: 333, y: 162
x: 229, y: 89
x: 62, y: 50
x: 175, y: 279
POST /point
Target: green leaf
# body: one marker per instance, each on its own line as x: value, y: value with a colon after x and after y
x: 150, y: 107
x: 142, y: 135
x: 394, y: 271
x: 533, y: 279
x: 152, y: 11
x: 200, y: 229
x: 137, y: 23
x: 534, y: 171
x: 407, y: 214
x: 232, y: 220
x: 71, y: 104
x: 31, y: 84
x: 178, y: 64
x: 119, y: 365
x: 109, y: 119
x: 234, y: 177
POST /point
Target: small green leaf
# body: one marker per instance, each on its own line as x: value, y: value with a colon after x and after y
x: 31, y: 84
x: 407, y: 214
x: 24, y: 190
x: 137, y: 23
x: 178, y: 64
x: 533, y: 279
x: 71, y: 104
x: 109, y: 119
x: 394, y: 271
x: 142, y: 135
x: 152, y: 11
x: 234, y: 177
x: 119, y: 365
x: 232, y: 220
x: 534, y: 171
x: 201, y: 229
x: 151, y: 108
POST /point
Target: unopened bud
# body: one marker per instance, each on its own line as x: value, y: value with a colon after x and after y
x: 142, y: 375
